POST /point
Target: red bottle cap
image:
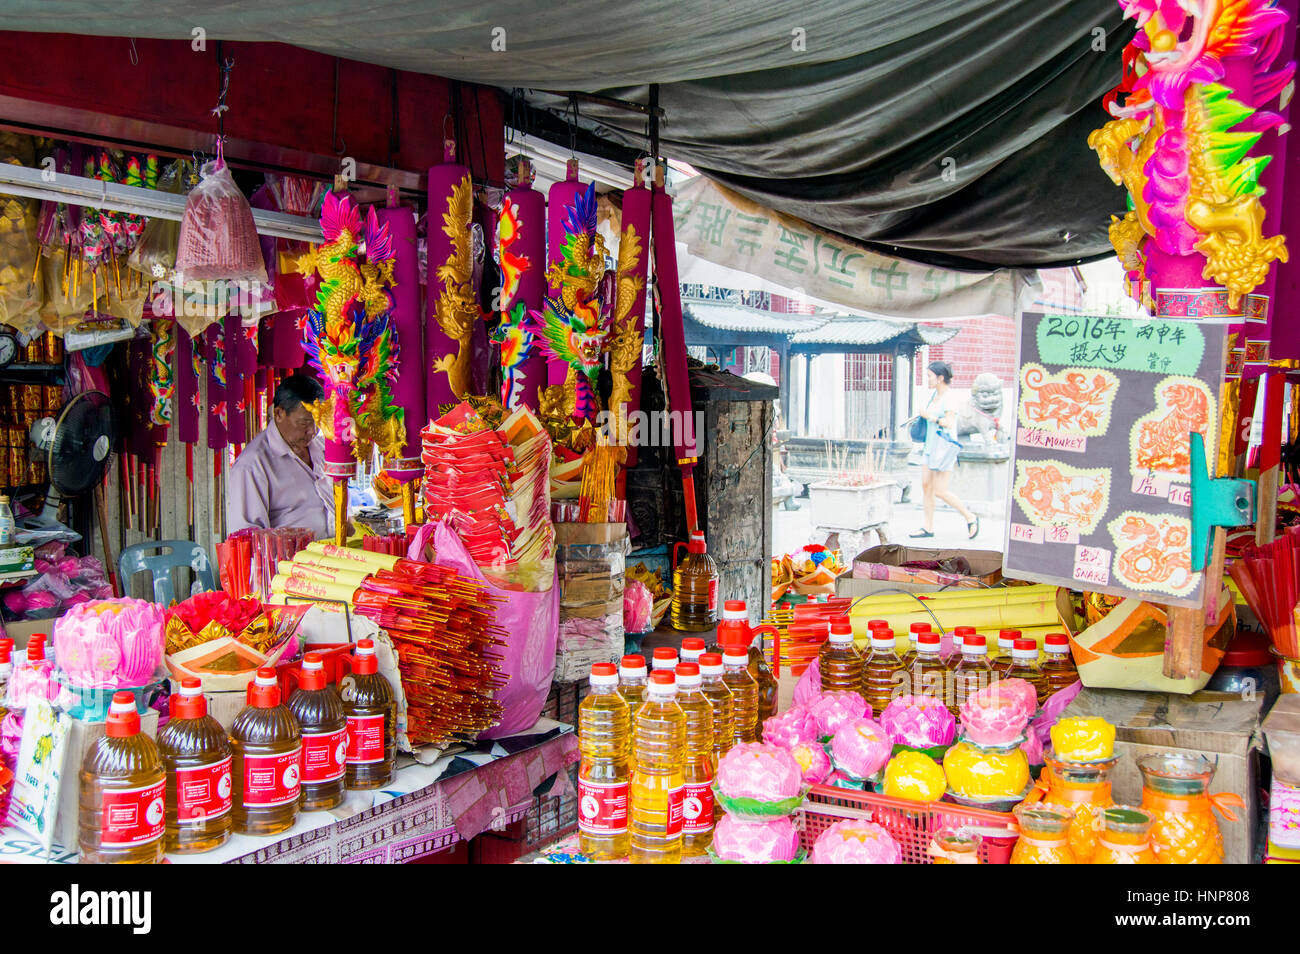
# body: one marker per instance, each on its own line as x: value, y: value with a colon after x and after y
x: 688, y: 669
x: 1057, y: 640
x: 734, y: 609
x: 662, y: 678
x: 711, y: 661
x: 364, y: 660
x: 123, y: 719
x: 265, y: 690
x: 841, y: 624
x: 973, y: 640
x: 7, y: 643
x: 603, y: 669
x: 633, y: 665
x: 735, y: 655
x: 41, y: 638
x: 1008, y: 634
x: 1025, y: 644
x: 189, y: 703
x: 4, y: 655
x: 919, y: 628
x: 36, y: 651
x: 693, y: 642
x: 928, y: 639
x: 312, y: 675
x: 697, y: 544
x: 665, y: 657
x: 877, y: 624
x: 963, y: 631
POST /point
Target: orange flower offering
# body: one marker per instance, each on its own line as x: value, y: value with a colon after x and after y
x: 1125, y: 838
x: 1089, y: 739
x: 1044, y: 836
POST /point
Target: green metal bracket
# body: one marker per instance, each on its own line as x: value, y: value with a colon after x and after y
x: 1221, y: 502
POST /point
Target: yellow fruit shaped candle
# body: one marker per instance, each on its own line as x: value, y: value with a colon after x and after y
x: 1080, y: 739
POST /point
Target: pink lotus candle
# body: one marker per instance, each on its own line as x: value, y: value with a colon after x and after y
x: 922, y: 722
x: 853, y: 842
x: 755, y: 842
x: 861, y: 748
x: 790, y: 728
x: 834, y: 708
x: 765, y: 773
x: 814, y: 761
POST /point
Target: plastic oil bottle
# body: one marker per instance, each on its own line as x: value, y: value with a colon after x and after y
x: 267, y: 746
x: 908, y: 653
x: 840, y: 662
x: 1006, y: 642
x: 631, y: 680
x: 664, y: 657
x: 882, y: 671
x: 972, y: 673
x: 959, y: 635
x: 1059, y: 670
x: 319, y: 710
x: 197, y: 758
x: 929, y: 675
x: 721, y: 701
x: 697, y: 762
x: 1024, y: 665
x: 693, y: 648
x: 744, y: 693
x: 605, y: 738
x: 122, y: 792
x: 658, y: 782
x: 694, y: 606
x: 371, y: 711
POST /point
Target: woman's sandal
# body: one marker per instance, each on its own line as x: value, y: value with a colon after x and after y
x: 976, y: 524
x: 921, y: 533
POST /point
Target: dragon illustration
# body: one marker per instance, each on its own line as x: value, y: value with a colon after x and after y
x: 625, y: 338
x: 456, y: 307
x: 512, y: 333
x: 1051, y: 493
x: 349, y: 336
x: 1161, y: 440
x: 1153, y: 555
x: 1179, y: 142
x: 1068, y: 400
x: 571, y: 327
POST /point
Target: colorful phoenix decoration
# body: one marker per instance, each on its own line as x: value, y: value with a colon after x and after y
x: 348, y: 335
x: 571, y: 326
x: 1196, y: 76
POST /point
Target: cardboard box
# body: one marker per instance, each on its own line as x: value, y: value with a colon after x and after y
x: 569, y: 534
x: 880, y: 568
x: 1222, y: 726
x: 24, y: 629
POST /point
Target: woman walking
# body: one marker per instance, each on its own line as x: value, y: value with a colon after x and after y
x: 941, y: 447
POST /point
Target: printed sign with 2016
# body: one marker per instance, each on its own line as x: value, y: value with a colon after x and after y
x: 1099, y: 489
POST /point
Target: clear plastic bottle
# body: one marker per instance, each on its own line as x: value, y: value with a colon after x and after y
x: 658, y: 783
x: 197, y: 758
x: 122, y: 792
x: 664, y: 657
x: 744, y: 693
x: 1024, y: 665
x: 604, y: 775
x: 693, y: 647
x: 909, y: 653
x: 882, y: 671
x: 1006, y: 640
x: 267, y: 747
x: 1058, y: 669
x: 840, y: 662
x: 372, y: 720
x: 631, y: 680
x: 972, y: 672
x: 319, y: 711
x: 928, y: 674
x: 721, y: 701
x: 7, y: 525
x: 959, y: 635
x: 694, y: 605
x: 697, y: 762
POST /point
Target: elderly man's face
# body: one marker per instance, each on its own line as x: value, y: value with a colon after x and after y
x: 297, y: 427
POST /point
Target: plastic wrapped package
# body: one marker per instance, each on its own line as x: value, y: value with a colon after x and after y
x: 154, y: 256
x: 591, y: 635
x: 218, y: 240
x: 591, y: 573
x: 20, y: 294
x: 62, y: 581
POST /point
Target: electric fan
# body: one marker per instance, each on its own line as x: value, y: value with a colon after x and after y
x: 76, y: 448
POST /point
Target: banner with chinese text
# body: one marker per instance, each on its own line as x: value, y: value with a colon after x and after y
x: 1100, y: 492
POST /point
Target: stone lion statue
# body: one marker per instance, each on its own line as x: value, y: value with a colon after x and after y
x: 982, y: 412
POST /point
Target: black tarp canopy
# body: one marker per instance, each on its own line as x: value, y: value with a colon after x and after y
x: 949, y: 131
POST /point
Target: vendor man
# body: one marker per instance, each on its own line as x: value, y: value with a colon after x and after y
x: 279, y: 480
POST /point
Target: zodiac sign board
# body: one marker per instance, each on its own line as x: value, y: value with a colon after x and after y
x: 1100, y: 497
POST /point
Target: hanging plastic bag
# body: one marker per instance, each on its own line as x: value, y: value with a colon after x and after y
x: 20, y: 292
x: 218, y: 239
x: 155, y: 254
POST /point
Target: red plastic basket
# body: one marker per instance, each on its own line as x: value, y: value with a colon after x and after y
x: 912, y: 824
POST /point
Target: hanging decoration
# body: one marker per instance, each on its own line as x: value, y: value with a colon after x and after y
x: 571, y: 326
x: 350, y: 342
x: 162, y: 377
x: 452, y: 308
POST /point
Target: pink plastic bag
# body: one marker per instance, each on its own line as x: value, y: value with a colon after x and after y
x: 531, y: 622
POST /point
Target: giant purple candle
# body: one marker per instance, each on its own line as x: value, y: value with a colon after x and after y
x: 409, y: 390
x: 451, y: 308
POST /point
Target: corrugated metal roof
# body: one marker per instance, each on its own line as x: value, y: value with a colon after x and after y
x: 866, y: 332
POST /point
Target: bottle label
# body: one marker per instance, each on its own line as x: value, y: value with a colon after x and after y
x: 203, y: 792
x: 713, y: 595
x: 272, y: 779
x: 676, y: 806
x: 132, y: 816
x: 602, y: 807
x: 697, y: 808
x: 324, y: 755
x: 365, y: 739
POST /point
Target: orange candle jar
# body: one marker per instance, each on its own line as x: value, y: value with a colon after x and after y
x: 1175, y: 790
x: 1083, y: 790
x: 1125, y: 837
x: 954, y: 846
x: 1044, y: 836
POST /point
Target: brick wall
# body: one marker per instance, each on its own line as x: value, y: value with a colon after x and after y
x: 987, y: 343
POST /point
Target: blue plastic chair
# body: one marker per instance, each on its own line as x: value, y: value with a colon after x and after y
x: 140, y: 557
